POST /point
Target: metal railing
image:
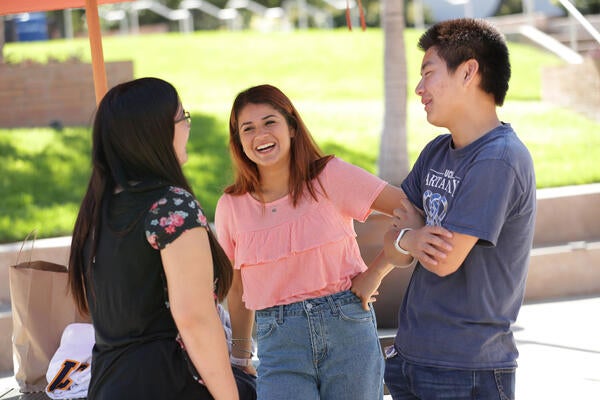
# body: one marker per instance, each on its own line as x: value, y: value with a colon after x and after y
x: 269, y: 18
x: 579, y: 18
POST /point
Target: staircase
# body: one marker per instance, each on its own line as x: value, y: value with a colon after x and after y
x: 560, y: 35
x: 575, y: 39
x: 565, y: 259
x: 573, y: 35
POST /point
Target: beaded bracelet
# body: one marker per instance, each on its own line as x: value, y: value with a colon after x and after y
x: 241, y: 339
x: 246, y: 351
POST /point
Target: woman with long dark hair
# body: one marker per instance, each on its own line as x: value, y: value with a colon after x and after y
x: 143, y: 260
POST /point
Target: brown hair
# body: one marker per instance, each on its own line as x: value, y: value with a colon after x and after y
x: 306, y: 158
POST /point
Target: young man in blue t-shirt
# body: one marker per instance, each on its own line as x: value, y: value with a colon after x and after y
x: 476, y: 189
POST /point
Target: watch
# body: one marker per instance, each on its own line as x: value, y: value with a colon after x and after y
x: 398, y: 238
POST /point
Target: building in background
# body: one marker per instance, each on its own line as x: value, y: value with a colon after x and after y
x: 446, y: 9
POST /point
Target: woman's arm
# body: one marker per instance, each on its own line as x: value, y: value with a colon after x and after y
x: 242, y: 321
x: 390, y: 200
x: 187, y: 263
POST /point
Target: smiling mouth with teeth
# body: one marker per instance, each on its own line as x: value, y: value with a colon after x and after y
x: 266, y: 146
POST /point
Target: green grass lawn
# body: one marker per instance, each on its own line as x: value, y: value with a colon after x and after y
x: 335, y: 79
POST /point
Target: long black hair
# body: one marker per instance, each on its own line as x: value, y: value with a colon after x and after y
x: 132, y: 142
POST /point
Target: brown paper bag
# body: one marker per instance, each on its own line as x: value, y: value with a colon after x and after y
x: 41, y: 309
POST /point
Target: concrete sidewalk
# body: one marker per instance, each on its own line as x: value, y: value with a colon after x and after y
x: 559, y: 350
x: 559, y: 345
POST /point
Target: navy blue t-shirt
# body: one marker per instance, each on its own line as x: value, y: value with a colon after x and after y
x: 486, y: 190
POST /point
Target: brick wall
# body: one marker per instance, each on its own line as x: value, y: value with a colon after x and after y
x: 575, y: 86
x: 36, y: 94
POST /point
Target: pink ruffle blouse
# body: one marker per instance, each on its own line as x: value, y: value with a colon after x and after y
x: 288, y: 254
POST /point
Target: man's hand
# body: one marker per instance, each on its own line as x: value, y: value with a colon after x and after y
x: 428, y: 244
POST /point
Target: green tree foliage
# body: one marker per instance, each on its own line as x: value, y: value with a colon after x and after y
x: 508, y: 7
x: 588, y: 6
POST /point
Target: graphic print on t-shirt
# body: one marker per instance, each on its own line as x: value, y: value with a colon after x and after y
x: 435, y: 200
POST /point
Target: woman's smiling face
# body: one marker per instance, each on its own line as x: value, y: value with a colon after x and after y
x: 265, y: 135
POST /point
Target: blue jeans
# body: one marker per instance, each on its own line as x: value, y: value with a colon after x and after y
x: 324, y: 348
x: 408, y: 381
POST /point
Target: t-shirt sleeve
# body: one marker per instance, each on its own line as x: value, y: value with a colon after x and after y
x: 223, y: 226
x: 171, y: 215
x: 352, y: 189
x: 412, y: 183
x: 484, y: 201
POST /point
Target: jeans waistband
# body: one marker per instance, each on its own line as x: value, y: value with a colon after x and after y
x: 318, y: 303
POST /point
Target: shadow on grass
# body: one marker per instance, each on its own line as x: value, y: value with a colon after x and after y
x: 42, y: 188
x: 209, y: 167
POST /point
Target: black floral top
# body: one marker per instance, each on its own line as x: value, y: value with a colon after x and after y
x: 134, y: 328
x: 172, y: 215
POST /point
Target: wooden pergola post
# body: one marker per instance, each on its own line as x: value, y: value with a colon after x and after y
x: 95, y: 36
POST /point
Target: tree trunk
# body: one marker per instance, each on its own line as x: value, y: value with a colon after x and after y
x: 1, y: 39
x: 393, y: 152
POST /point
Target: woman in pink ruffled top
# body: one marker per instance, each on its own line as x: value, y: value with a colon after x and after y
x: 286, y: 223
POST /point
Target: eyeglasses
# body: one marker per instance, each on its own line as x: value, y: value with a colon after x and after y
x: 186, y: 116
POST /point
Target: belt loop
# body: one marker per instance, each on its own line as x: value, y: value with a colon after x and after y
x: 333, y: 305
x: 280, y: 315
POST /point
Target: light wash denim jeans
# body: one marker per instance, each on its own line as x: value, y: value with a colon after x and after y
x: 408, y: 381
x: 325, y: 348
